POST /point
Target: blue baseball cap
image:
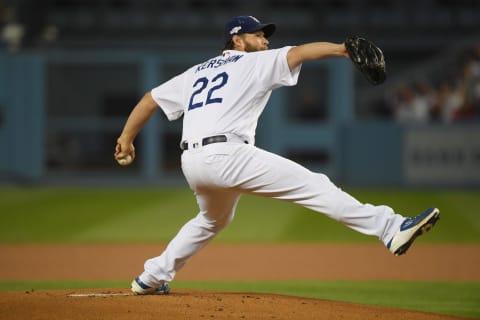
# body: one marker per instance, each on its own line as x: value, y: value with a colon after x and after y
x: 247, y: 24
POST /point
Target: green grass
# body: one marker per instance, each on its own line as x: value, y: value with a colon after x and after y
x: 461, y: 299
x: 114, y: 215
x: 108, y: 215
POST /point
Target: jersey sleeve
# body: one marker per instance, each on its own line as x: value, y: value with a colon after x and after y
x: 169, y: 96
x: 273, y: 71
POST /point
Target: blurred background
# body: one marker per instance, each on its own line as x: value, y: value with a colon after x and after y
x: 71, y: 71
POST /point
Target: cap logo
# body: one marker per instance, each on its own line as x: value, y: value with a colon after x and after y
x: 235, y: 30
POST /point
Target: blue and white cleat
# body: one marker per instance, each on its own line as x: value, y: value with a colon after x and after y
x: 411, y: 228
x: 140, y: 288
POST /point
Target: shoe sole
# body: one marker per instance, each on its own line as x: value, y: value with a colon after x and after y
x: 423, y: 229
x: 150, y: 293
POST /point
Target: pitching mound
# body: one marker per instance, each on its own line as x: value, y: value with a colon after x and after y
x: 186, y: 304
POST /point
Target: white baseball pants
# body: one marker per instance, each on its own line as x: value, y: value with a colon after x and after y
x: 219, y: 173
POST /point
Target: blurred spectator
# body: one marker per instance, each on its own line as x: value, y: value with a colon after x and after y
x: 472, y: 84
x: 456, y: 98
x: 24, y: 25
x: 450, y: 100
x: 411, y: 105
x: 12, y: 32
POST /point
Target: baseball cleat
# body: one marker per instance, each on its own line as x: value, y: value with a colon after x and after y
x: 140, y: 288
x: 411, y: 228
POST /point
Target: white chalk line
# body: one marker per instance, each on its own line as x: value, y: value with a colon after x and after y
x: 99, y: 294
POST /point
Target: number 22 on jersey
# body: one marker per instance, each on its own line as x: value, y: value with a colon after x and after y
x: 212, y: 85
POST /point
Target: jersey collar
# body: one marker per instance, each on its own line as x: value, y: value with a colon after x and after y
x: 229, y: 53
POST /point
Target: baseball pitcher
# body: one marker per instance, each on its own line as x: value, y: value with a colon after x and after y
x: 221, y: 100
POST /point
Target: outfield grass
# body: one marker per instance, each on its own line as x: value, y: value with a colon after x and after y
x: 461, y: 299
x: 109, y: 215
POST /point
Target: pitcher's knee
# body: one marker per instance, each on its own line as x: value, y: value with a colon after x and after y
x: 214, y: 224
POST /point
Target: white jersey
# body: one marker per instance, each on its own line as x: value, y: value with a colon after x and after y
x: 225, y: 94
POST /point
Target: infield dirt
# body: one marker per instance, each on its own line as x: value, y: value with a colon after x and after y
x: 222, y: 262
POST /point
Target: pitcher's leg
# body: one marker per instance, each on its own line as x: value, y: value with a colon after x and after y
x: 217, y: 209
x: 273, y: 176
x: 376, y: 220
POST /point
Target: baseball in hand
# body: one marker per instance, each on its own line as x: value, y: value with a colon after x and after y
x: 125, y: 160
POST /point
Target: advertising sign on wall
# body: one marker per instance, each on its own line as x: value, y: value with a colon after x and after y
x: 442, y: 155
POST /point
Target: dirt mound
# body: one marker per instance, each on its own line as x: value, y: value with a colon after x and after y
x: 120, y: 304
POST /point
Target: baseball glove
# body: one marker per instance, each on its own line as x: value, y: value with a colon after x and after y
x: 368, y: 58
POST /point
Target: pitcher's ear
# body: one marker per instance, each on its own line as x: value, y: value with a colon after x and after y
x: 237, y: 42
